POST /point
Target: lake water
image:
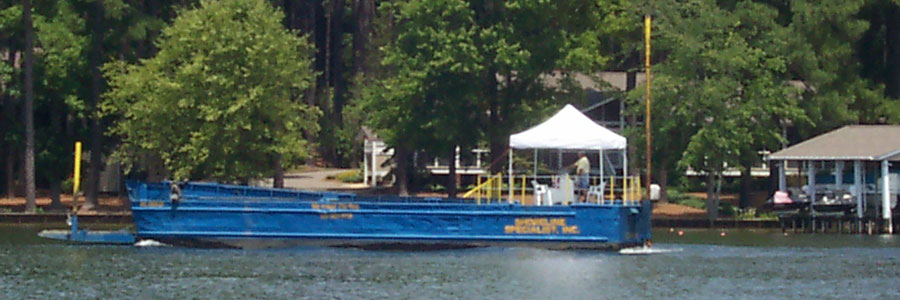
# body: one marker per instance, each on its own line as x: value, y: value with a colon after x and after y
x: 742, y: 264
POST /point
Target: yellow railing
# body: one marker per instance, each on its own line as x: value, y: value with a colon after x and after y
x: 628, y: 189
x: 522, y: 200
x: 487, y: 188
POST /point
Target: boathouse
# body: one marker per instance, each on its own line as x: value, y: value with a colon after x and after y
x: 851, y: 163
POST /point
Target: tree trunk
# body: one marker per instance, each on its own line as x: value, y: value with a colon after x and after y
x: 718, y: 193
x: 746, y: 185
x: 773, y: 178
x: 290, y: 14
x: 3, y: 151
x: 712, y: 205
x: 8, y: 149
x: 363, y: 11
x: 30, y: 204
x: 663, y: 175
x: 336, y: 79
x: 10, y: 173
x: 336, y: 59
x: 309, y: 21
x: 55, y: 191
x: 55, y: 177
x: 497, y: 141
x: 892, y: 43
x: 93, y: 182
x: 278, y: 179
x: 6, y: 118
x: 451, y: 175
x: 402, y: 157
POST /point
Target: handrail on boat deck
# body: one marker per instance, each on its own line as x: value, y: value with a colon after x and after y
x: 486, y: 188
x: 627, y: 191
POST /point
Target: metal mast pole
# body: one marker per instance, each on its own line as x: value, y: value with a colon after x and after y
x: 648, y: 153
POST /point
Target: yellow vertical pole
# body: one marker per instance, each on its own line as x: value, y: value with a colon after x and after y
x: 499, y: 187
x: 612, y: 188
x: 629, y: 185
x: 490, y: 188
x: 648, y: 153
x: 76, y: 177
x: 522, y: 201
x: 637, y: 188
x: 478, y: 192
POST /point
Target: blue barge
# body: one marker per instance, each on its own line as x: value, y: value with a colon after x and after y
x: 216, y: 215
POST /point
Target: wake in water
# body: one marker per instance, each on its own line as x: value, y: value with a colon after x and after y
x: 150, y: 243
x: 647, y: 251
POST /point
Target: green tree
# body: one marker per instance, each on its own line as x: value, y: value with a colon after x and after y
x: 722, y: 89
x: 10, y: 90
x: 29, y: 108
x: 822, y: 58
x: 218, y: 99
x: 473, y: 69
x: 59, y: 64
x: 429, y: 103
x: 522, y: 43
x: 878, y: 48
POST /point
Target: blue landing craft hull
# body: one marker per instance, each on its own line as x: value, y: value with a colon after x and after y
x: 201, y: 214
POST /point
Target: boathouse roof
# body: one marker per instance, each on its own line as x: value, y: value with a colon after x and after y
x: 852, y: 142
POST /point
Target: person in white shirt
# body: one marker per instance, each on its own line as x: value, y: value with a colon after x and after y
x: 582, y: 172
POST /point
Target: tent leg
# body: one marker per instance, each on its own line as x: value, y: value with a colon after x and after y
x: 602, y: 185
x: 624, y: 175
x: 886, y: 195
x: 510, y: 198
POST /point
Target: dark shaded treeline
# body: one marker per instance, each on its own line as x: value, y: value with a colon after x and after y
x: 74, y: 40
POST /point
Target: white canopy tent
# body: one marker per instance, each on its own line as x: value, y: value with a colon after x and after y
x: 568, y: 129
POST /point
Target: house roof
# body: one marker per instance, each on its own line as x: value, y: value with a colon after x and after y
x: 852, y: 142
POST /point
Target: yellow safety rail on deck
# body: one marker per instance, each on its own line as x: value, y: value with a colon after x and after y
x: 486, y: 188
x: 629, y: 188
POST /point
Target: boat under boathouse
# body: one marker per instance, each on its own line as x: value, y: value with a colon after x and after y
x: 842, y: 177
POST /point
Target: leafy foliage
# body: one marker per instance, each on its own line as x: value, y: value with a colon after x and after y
x: 724, y: 88
x: 430, y: 100
x: 464, y: 70
x: 223, y: 96
x: 219, y: 99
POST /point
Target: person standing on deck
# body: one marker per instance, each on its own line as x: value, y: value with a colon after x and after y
x: 582, y: 172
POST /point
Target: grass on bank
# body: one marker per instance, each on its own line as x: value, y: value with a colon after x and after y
x: 726, y: 210
x: 349, y: 176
